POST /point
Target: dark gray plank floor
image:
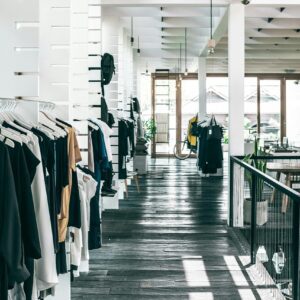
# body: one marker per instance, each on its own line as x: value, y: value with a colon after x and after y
x: 168, y: 242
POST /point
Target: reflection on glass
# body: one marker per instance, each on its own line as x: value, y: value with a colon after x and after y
x: 270, y: 110
x: 292, y: 112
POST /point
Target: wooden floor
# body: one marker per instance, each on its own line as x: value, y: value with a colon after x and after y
x: 169, y: 242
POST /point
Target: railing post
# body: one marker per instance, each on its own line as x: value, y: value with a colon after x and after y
x: 253, y: 216
x: 295, y: 251
x: 231, y: 180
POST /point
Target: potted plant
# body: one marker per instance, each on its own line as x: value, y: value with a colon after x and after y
x: 140, y: 158
x: 150, y: 129
x: 262, y: 202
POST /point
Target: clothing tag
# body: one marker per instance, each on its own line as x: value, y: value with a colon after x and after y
x: 210, y: 131
x: 47, y: 173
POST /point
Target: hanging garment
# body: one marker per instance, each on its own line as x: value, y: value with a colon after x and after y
x: 74, y: 157
x: 192, y: 139
x: 24, y: 165
x: 111, y: 120
x: 11, y: 253
x: 104, y: 111
x: 48, y: 151
x: 80, y: 245
x: 210, y: 154
x: 45, y: 267
x: 100, y: 165
x: 123, y: 148
x: 140, y: 128
x: 107, y: 132
x: 136, y: 105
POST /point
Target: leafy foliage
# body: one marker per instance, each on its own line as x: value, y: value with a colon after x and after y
x: 259, y: 164
x: 150, y: 129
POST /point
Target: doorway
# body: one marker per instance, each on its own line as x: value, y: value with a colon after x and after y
x: 174, y: 103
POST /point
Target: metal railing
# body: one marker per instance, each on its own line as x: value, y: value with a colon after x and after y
x: 266, y: 212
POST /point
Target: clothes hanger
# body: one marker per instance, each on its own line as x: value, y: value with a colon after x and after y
x: 92, y: 124
x: 6, y: 133
x: 46, y: 132
x: 49, y: 130
x: 25, y: 139
x: 51, y: 125
x: 7, y: 141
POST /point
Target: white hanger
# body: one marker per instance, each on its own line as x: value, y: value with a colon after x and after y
x: 7, y: 142
x: 47, y: 132
x: 45, y: 129
x: 93, y: 125
x: 10, y: 135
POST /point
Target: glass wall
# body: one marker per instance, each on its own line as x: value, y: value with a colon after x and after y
x: 271, y: 114
x: 270, y: 110
x: 293, y: 112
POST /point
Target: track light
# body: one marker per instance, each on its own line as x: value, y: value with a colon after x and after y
x: 245, y: 2
x: 211, y: 43
x: 132, y: 38
x: 138, y: 48
x: 211, y: 46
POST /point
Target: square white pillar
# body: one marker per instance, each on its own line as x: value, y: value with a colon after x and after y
x: 236, y: 74
x: 202, y: 87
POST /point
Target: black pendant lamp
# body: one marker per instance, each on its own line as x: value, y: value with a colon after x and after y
x: 185, y: 52
x: 138, y: 48
x: 132, y: 38
x: 211, y: 43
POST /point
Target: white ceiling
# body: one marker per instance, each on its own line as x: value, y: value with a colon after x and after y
x: 272, y: 33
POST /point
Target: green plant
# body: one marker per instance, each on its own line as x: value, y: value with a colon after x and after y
x: 226, y: 138
x: 259, y: 164
x: 150, y: 129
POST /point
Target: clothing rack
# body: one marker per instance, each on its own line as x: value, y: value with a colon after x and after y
x: 18, y: 100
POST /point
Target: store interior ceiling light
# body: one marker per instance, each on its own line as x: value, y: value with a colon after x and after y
x: 132, y: 38
x: 211, y: 43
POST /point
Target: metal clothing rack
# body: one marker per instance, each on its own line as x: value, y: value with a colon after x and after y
x: 11, y: 103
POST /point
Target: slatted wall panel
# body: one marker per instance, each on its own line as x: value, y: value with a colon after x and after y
x: 19, y: 48
x: 79, y: 86
x: 86, y: 61
x: 54, y: 54
x: 110, y: 35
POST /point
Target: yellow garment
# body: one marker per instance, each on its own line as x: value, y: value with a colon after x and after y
x: 74, y: 157
x: 192, y: 139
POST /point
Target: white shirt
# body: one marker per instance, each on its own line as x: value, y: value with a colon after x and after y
x: 80, y: 246
x: 45, y: 267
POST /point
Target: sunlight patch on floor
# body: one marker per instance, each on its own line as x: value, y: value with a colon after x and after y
x: 195, y: 273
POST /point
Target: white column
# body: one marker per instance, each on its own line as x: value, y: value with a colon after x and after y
x: 111, y: 44
x: 236, y: 72
x: 202, y: 86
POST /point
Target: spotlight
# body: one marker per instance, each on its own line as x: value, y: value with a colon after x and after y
x: 245, y: 2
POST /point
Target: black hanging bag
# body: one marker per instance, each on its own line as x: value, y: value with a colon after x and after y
x: 107, y: 70
x: 214, y: 130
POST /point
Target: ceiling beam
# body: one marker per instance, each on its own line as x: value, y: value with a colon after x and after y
x: 165, y: 3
